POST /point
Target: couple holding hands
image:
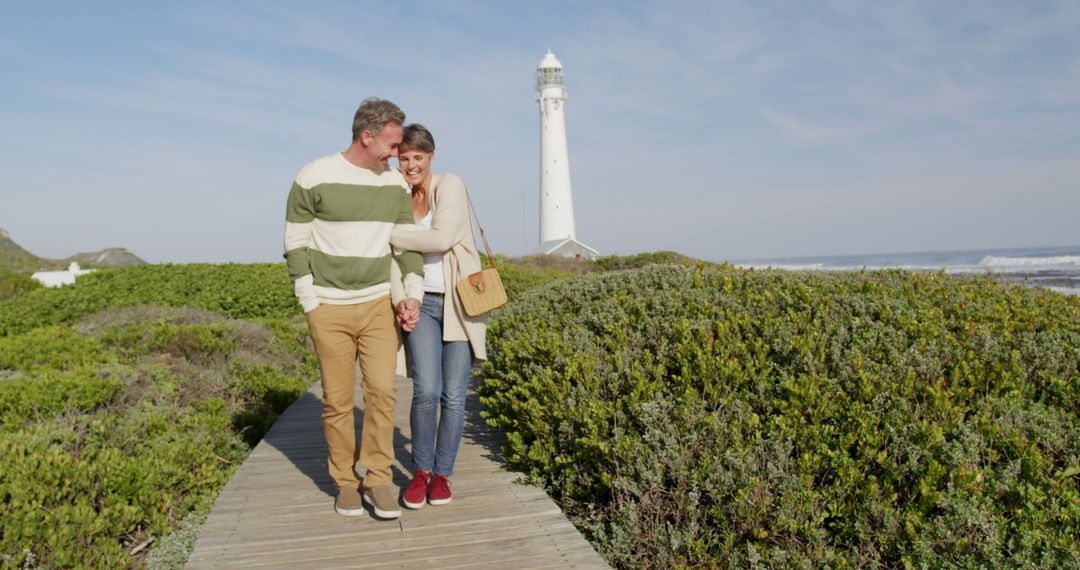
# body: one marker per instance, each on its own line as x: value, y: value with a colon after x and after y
x: 371, y: 248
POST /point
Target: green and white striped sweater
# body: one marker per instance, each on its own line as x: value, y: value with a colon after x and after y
x: 337, y: 233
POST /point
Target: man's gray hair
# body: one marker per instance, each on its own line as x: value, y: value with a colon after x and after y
x: 374, y: 114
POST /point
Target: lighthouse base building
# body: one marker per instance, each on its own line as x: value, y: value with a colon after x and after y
x: 569, y: 247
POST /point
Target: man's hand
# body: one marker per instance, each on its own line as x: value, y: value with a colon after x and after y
x: 408, y: 313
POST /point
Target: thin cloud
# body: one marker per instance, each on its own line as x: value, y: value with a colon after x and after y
x: 807, y: 133
x: 829, y: 120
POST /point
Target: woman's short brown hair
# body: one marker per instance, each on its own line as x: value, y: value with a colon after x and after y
x: 417, y: 136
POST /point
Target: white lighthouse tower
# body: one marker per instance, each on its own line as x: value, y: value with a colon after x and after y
x: 557, y: 236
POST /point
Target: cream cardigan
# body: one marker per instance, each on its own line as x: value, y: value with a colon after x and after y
x: 452, y: 233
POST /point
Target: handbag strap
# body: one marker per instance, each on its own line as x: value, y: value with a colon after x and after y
x: 468, y: 198
x: 487, y: 247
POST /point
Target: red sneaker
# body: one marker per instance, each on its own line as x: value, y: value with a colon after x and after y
x: 440, y: 494
x: 417, y: 490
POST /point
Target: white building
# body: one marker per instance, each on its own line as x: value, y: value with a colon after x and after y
x: 58, y: 278
x: 557, y: 236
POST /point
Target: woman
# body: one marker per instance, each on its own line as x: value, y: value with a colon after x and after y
x: 444, y: 341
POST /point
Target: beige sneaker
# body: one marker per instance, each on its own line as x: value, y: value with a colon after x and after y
x: 348, y: 502
x: 383, y: 501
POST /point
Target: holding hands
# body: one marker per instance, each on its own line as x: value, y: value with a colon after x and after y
x: 408, y: 313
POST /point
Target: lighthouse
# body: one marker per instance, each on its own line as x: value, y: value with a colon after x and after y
x: 557, y: 235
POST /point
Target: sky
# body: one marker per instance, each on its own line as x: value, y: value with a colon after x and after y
x: 720, y: 130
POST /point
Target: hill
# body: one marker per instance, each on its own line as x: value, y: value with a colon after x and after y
x: 15, y: 259
x: 110, y: 257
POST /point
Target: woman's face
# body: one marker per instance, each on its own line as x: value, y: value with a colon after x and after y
x: 415, y: 164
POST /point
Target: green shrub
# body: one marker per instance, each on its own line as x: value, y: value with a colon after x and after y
x: 695, y: 417
x: 267, y: 393
x: 80, y: 494
x: 117, y: 425
x: 173, y: 552
x: 235, y: 290
x: 201, y: 343
x: 617, y: 262
x: 54, y: 347
x: 520, y: 275
x: 14, y: 284
x: 47, y: 394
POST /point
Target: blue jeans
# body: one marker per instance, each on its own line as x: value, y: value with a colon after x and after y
x: 440, y: 372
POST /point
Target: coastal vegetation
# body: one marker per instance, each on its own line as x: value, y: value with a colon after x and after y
x: 684, y: 414
x: 12, y: 283
x: 127, y: 401
x: 524, y: 273
x: 703, y: 417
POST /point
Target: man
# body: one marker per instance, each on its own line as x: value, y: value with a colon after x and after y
x: 340, y: 212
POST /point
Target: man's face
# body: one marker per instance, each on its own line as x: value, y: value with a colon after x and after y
x: 382, y: 147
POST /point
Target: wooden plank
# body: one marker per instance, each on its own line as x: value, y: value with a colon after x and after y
x: 277, y: 511
x: 392, y: 536
x: 313, y: 514
x: 521, y: 541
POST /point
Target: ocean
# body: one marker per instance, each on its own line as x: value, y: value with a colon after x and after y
x: 1056, y: 268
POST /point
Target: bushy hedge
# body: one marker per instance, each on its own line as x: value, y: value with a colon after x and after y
x: 637, y: 261
x: 521, y: 274
x: 127, y: 400
x: 737, y: 418
x: 12, y: 284
x: 119, y: 418
x: 242, y: 291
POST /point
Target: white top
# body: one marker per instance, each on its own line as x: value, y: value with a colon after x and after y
x: 549, y: 62
x: 433, y: 273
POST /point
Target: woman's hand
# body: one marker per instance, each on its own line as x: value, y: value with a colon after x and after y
x: 408, y: 313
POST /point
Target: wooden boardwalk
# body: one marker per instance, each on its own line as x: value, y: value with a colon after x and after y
x: 277, y: 511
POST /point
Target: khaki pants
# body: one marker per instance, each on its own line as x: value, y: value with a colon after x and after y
x: 341, y: 334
